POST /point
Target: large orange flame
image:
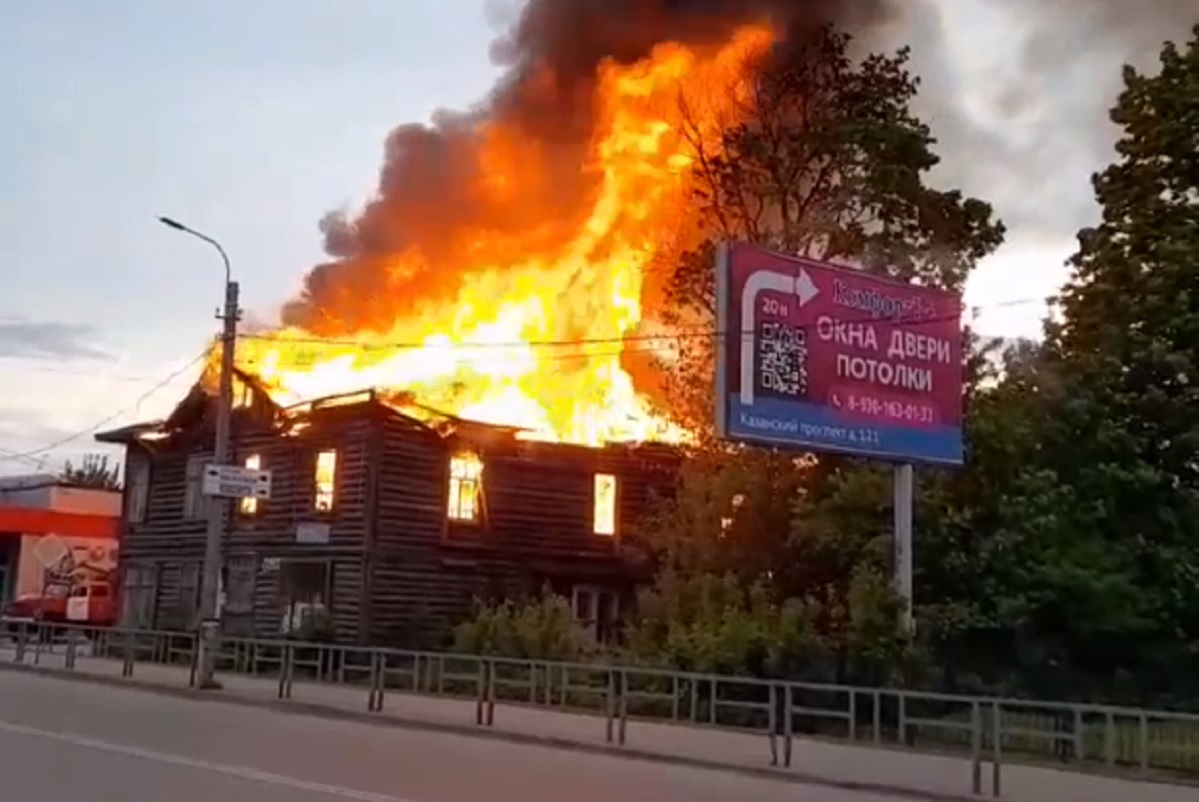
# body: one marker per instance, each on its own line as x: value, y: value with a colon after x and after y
x: 535, y: 338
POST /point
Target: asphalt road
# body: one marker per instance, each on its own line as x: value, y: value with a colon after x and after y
x: 63, y: 741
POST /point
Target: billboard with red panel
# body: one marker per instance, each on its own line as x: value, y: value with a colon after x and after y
x: 831, y: 359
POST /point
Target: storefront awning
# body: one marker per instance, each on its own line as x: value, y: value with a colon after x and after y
x: 32, y: 521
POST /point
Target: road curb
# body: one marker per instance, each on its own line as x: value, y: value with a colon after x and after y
x: 392, y: 721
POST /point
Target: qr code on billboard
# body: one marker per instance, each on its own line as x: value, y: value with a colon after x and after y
x: 782, y: 359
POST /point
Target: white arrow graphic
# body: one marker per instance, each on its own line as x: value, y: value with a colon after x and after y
x: 805, y: 288
x: 800, y: 285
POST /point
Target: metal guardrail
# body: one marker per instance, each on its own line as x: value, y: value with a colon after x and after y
x: 984, y: 730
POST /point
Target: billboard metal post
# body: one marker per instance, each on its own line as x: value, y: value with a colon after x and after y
x: 904, y: 493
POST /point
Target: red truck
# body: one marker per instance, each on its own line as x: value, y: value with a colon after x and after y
x: 75, y: 566
x: 90, y: 603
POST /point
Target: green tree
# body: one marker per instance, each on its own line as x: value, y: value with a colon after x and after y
x: 977, y: 527
x: 730, y: 514
x: 94, y: 472
x: 1125, y: 434
x: 827, y: 160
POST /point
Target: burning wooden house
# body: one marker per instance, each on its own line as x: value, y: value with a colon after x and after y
x: 386, y: 519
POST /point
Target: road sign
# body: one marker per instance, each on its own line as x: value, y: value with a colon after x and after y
x: 234, y: 481
x: 831, y: 359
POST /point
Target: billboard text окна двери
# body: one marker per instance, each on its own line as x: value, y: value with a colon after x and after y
x: 826, y: 358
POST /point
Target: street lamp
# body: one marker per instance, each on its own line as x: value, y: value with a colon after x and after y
x: 210, y: 623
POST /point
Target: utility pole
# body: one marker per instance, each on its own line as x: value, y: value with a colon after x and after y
x: 218, y: 507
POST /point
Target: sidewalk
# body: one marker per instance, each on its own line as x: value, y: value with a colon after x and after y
x: 848, y: 766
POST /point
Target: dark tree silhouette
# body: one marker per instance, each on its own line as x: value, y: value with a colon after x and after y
x: 94, y: 472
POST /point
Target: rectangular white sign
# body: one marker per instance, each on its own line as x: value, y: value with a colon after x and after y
x: 234, y: 481
x: 313, y: 533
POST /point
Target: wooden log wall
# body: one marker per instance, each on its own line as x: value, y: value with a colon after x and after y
x: 399, y: 571
x: 415, y: 594
x: 171, y: 541
x: 269, y: 532
x: 540, y: 497
x: 536, y: 527
x: 164, y: 527
x: 291, y: 458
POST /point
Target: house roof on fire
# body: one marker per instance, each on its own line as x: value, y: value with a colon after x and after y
x: 194, y: 408
x: 250, y: 394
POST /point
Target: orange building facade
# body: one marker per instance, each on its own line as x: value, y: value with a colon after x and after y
x: 51, y: 531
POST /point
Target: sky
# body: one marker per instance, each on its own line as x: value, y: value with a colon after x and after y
x: 251, y: 120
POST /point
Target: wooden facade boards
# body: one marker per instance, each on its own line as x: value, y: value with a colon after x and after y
x: 381, y: 527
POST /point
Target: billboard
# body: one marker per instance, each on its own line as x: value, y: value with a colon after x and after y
x: 831, y: 359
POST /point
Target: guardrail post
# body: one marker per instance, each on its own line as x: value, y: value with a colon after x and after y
x: 674, y: 697
x: 788, y: 707
x: 611, y: 705
x: 624, y: 706
x: 878, y: 717
x: 903, y: 718
x: 193, y: 658
x: 1080, y: 745
x: 1109, y: 739
x: 853, y: 714
x: 39, y: 636
x: 492, y: 672
x: 976, y: 748
x: 72, y: 640
x: 481, y: 692
x: 127, y: 664
x: 374, y: 701
x: 1144, y: 737
x: 773, y: 724
x: 997, y: 750
x: 693, y: 690
x: 22, y: 642
x: 287, y: 670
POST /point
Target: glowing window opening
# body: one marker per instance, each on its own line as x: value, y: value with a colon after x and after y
x: 604, y: 512
x: 325, y: 474
x: 466, y: 484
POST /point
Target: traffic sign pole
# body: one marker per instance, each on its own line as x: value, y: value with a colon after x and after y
x: 210, y: 624
x: 218, y: 508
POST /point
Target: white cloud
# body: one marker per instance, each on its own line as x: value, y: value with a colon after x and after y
x: 48, y: 339
x: 61, y: 406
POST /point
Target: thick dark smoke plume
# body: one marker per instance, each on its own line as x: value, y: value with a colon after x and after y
x: 1017, y: 92
x: 429, y: 201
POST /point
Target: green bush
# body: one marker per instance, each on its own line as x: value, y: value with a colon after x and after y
x: 540, y: 629
x: 717, y: 624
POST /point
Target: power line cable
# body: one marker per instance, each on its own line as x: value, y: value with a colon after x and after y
x: 705, y: 333
x: 36, y: 462
x: 25, y: 365
x: 23, y: 455
x: 668, y: 341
